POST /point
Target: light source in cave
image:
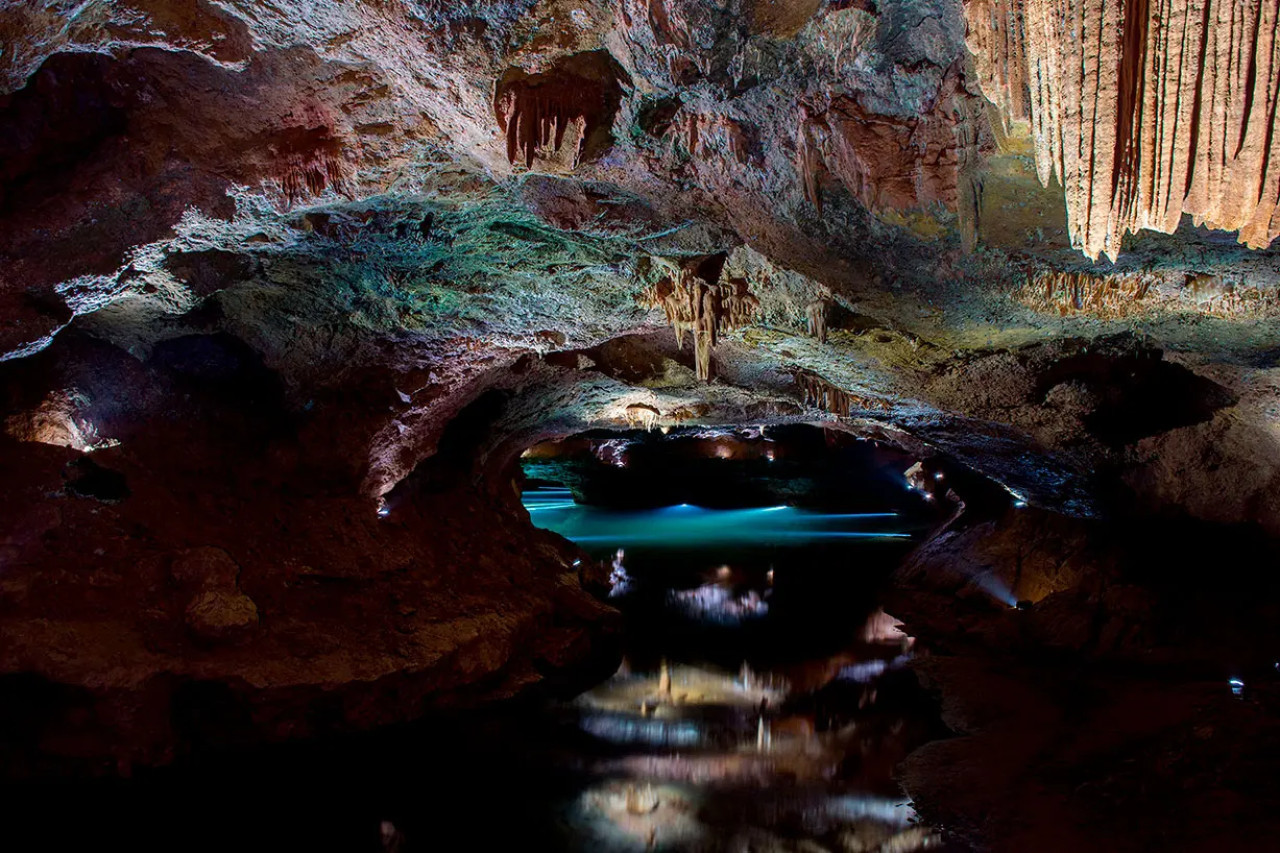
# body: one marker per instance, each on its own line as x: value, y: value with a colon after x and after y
x: 704, y: 310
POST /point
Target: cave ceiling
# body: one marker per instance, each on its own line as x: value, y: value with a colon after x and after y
x: 853, y: 210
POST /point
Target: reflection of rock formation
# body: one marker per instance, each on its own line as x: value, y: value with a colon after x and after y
x: 883, y: 628
x: 1143, y: 110
x: 715, y: 603
x: 631, y: 816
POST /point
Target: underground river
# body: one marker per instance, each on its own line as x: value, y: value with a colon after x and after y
x: 762, y: 701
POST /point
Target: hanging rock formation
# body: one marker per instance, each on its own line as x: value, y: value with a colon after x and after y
x: 1143, y: 110
x: 816, y: 318
x: 821, y: 394
x: 704, y: 309
x: 535, y: 110
x: 1128, y: 294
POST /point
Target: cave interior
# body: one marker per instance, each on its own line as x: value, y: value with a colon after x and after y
x: 812, y: 426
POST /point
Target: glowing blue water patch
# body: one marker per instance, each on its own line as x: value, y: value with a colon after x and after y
x: 686, y: 525
x: 863, y: 807
x: 617, y: 728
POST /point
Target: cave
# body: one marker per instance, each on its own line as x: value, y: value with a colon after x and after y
x: 640, y: 425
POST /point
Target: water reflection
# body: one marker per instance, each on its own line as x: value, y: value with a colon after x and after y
x: 764, y: 702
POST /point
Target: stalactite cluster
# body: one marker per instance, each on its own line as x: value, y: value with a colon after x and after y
x: 1116, y: 296
x: 703, y: 309
x: 308, y: 162
x: 1143, y: 109
x: 816, y: 318
x: 642, y: 416
x: 1066, y: 293
x: 536, y: 110
x: 821, y: 394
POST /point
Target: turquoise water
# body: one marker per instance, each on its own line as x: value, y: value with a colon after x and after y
x: 688, y: 526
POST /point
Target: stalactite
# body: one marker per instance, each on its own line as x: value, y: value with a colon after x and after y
x: 642, y: 416
x: 821, y: 394
x: 535, y: 111
x: 811, y: 136
x: 1084, y: 293
x: 692, y: 305
x: 1122, y: 295
x: 816, y: 317
x: 310, y: 161
x: 1143, y: 109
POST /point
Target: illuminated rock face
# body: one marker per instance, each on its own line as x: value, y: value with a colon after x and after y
x: 1143, y: 110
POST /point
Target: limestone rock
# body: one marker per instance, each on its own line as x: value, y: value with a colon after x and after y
x: 222, y: 616
x: 207, y: 567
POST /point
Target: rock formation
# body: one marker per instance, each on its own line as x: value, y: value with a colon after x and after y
x: 822, y: 394
x: 287, y: 288
x: 700, y: 308
x: 536, y: 110
x: 1143, y: 111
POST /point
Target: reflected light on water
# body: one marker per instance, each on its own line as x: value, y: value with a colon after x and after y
x: 686, y: 525
x: 627, y: 729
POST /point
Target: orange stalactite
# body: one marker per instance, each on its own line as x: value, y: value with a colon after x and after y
x: 703, y: 309
x: 1123, y: 295
x: 816, y: 318
x: 822, y: 394
x: 1144, y: 110
x: 535, y: 111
